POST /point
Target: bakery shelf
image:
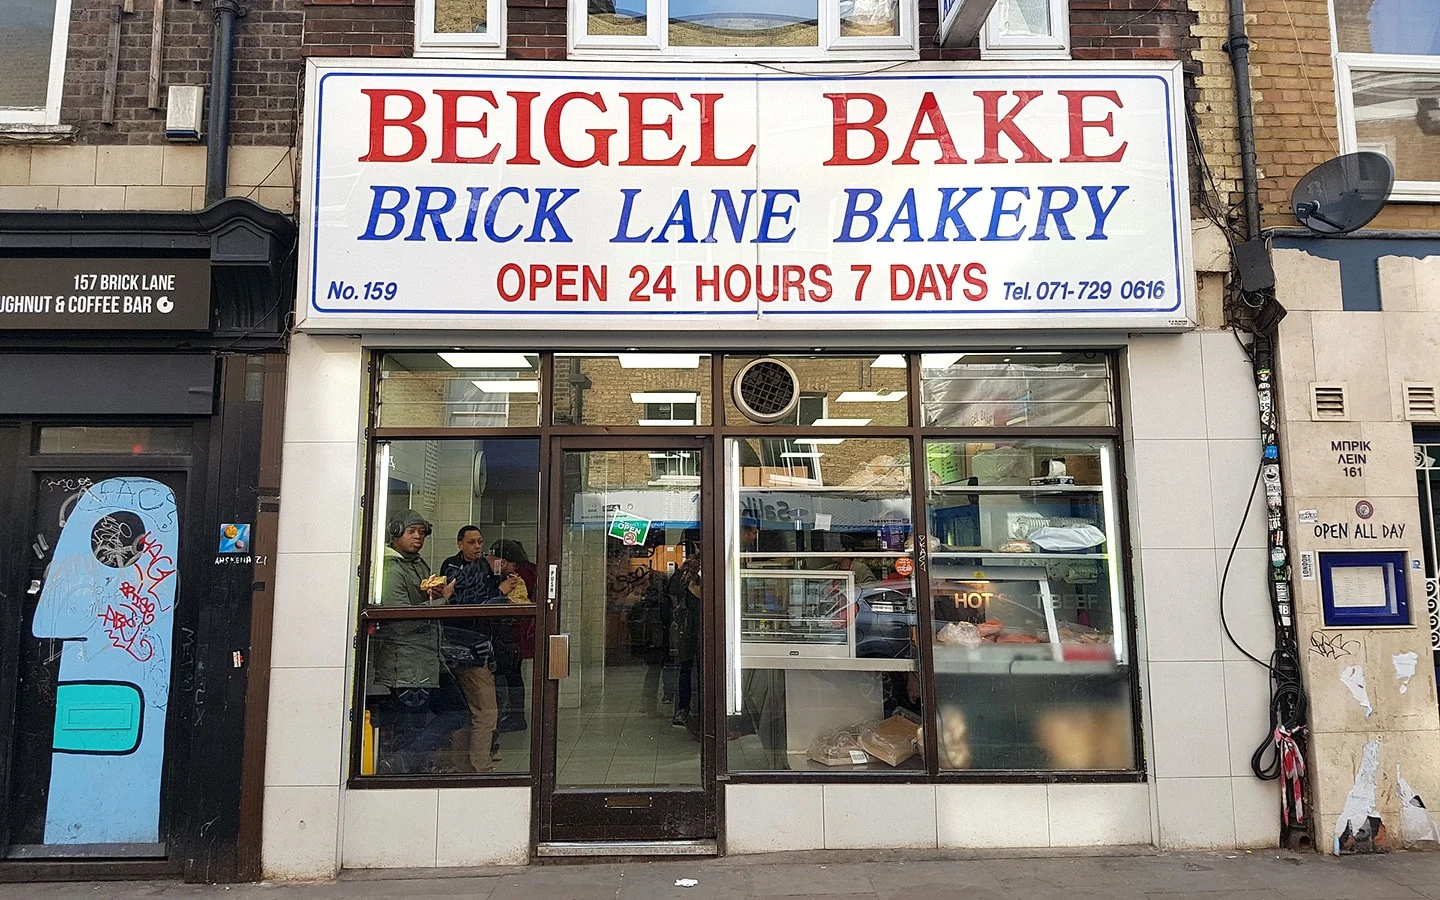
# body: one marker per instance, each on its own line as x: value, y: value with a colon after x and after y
x: 833, y: 664
x: 995, y: 554
x: 1015, y: 659
x: 1017, y: 489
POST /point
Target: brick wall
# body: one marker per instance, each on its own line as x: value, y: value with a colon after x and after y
x: 1296, y: 127
x: 267, y: 69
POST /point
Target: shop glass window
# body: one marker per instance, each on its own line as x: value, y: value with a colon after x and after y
x: 821, y: 662
x: 647, y: 389
x: 113, y: 439
x: 459, y: 389
x: 835, y: 391
x: 459, y: 27
x: 454, y: 523
x: 742, y: 28
x: 1388, y: 69
x: 33, y: 35
x: 1027, y: 29
x: 1032, y: 662
x: 1010, y: 390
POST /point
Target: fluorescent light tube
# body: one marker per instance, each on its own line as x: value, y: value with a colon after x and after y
x: 870, y: 397
x: 508, y: 387
x: 488, y: 360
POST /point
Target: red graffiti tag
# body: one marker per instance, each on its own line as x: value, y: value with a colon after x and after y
x: 128, y: 624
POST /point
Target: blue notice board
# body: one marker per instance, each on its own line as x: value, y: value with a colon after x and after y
x: 1364, y: 588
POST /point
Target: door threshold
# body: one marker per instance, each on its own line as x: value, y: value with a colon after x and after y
x: 561, y: 849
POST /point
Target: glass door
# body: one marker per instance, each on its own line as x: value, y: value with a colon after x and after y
x: 630, y: 754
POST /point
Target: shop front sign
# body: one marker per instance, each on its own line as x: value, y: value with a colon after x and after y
x: 100, y: 294
x: 744, y: 198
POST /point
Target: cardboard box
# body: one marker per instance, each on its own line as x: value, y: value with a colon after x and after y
x: 1086, y: 469
x: 749, y: 476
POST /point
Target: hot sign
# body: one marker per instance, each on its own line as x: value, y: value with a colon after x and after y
x: 745, y: 198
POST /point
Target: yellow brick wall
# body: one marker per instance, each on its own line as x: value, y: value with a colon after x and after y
x: 1293, y: 81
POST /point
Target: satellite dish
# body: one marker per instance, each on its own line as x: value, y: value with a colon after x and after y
x: 1343, y: 194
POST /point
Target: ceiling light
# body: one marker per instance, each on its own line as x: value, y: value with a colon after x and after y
x: 940, y: 360
x: 663, y: 397
x: 840, y: 423
x: 818, y: 441
x: 508, y: 387
x: 870, y: 397
x: 811, y: 455
x: 659, y: 360
x: 889, y: 361
x: 661, y: 423
x: 488, y: 360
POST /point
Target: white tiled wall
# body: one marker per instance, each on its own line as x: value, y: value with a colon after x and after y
x: 1192, y: 442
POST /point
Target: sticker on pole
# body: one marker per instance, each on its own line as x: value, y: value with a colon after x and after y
x: 629, y: 530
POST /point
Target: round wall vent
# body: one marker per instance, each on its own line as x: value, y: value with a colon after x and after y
x: 766, y: 390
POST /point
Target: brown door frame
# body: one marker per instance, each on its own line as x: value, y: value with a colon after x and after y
x: 629, y: 813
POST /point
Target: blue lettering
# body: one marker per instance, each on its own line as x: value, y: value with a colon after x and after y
x: 1101, y: 214
x: 770, y: 213
x: 905, y: 214
x: 474, y: 213
x: 547, y: 213
x: 494, y: 211
x: 853, y: 211
x: 1000, y: 211
x: 737, y: 220
x: 424, y: 210
x: 1047, y: 211
x: 622, y: 233
x: 950, y: 214
x: 680, y: 217
x: 378, y: 209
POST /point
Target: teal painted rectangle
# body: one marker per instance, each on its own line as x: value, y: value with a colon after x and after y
x: 93, y: 717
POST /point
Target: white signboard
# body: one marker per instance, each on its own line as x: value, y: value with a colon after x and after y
x: 590, y: 196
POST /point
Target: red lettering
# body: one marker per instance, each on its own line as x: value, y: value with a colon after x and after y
x: 638, y: 128
x: 540, y: 277
x: 707, y: 136
x: 600, y: 149
x: 451, y: 123
x: 379, y: 122
x: 996, y: 124
x: 566, y: 277
x: 929, y: 114
x: 842, y: 126
x: 978, y: 288
x: 1078, y: 124
x: 523, y: 101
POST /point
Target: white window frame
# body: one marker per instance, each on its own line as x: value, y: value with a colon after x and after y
x: 655, y: 43
x: 994, y: 45
x: 489, y: 45
x: 55, y: 88
x: 1345, y: 64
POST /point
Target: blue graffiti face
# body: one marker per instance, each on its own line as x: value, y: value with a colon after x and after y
x: 109, y: 595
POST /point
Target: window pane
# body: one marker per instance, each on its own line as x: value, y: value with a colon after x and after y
x: 1031, y: 670
x: 823, y: 673
x: 744, y: 23
x: 448, y: 696
x: 617, y: 18
x: 460, y: 16
x: 447, y: 485
x: 27, y: 30
x: 869, y: 18
x: 114, y: 439
x: 842, y: 391
x: 652, y: 389
x: 1398, y: 114
x: 1388, y: 26
x: 458, y: 389
x: 984, y: 390
x: 1022, y: 18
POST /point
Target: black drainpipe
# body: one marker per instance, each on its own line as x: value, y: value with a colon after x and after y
x: 1238, y: 46
x: 217, y: 147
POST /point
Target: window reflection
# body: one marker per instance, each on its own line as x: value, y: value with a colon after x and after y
x: 648, y: 389
x: 836, y: 391
x: 460, y: 16
x: 456, y: 389
x: 1410, y: 27
x: 744, y: 23
x: 1007, y: 390
x: 617, y: 18
x: 869, y: 18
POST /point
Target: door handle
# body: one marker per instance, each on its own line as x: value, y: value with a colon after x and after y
x: 559, y: 657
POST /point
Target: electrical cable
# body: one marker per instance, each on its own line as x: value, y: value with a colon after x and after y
x: 1288, y: 701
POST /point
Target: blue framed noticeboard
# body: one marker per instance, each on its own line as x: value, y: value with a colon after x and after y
x: 1364, y: 588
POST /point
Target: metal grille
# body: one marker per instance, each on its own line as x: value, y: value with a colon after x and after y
x: 766, y: 390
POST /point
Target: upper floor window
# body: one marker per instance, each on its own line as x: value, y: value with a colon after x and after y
x: 460, y: 27
x: 1388, y: 79
x: 32, y: 60
x: 742, y: 29
x: 1027, y: 29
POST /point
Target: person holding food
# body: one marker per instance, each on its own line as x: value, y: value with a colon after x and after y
x: 407, y: 654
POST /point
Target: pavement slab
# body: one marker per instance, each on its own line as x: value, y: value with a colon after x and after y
x: 853, y: 875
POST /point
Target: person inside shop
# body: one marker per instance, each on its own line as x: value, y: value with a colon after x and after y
x: 407, y: 660
x: 686, y: 612
x: 516, y: 643
x: 858, y: 566
x: 469, y: 643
